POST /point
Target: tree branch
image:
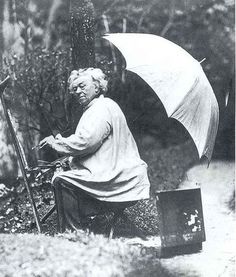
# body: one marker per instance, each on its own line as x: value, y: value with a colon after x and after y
x: 142, y: 17
x: 106, y: 25
x: 170, y: 20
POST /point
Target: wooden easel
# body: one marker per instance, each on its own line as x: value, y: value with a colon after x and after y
x: 25, y: 170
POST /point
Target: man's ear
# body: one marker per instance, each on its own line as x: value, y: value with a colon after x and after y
x: 96, y: 85
x: 96, y: 90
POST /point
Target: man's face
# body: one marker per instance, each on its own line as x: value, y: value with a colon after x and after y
x: 85, y: 90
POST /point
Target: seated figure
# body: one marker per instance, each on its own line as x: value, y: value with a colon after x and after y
x: 105, y: 166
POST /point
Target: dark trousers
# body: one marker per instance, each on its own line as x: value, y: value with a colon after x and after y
x: 74, y: 206
x: 67, y: 208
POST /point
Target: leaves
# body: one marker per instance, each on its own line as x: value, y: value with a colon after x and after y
x: 3, y: 190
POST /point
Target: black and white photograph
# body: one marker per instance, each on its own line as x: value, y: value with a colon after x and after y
x: 117, y: 138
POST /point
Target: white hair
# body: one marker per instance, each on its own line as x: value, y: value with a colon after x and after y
x: 96, y: 74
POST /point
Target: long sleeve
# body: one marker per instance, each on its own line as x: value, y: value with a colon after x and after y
x: 93, y: 128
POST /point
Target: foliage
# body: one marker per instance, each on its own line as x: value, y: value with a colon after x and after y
x: 40, y: 84
x: 38, y: 96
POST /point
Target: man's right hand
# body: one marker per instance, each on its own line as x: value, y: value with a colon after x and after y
x: 46, y: 141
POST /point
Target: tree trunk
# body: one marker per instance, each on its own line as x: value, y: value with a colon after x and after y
x: 82, y: 44
x: 1, y: 31
x: 82, y: 33
x: 8, y: 161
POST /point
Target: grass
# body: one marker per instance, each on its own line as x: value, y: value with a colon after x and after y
x: 73, y: 254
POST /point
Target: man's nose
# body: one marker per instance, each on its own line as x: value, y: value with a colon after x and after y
x: 76, y: 91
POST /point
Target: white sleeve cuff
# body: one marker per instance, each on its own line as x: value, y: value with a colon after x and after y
x: 58, y: 136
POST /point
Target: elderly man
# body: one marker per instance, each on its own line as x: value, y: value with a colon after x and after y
x: 104, y: 161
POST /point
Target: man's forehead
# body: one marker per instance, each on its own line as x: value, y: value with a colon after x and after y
x: 81, y: 79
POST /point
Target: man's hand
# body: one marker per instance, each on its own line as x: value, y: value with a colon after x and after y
x: 46, y: 141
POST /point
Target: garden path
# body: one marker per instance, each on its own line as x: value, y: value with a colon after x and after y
x: 217, y: 257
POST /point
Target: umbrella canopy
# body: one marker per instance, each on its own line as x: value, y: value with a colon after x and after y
x: 178, y: 80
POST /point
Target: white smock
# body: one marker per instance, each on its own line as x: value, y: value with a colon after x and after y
x: 104, y: 161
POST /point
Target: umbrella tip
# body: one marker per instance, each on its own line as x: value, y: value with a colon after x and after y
x: 202, y: 60
x: 205, y: 160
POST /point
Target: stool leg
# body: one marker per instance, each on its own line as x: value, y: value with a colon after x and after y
x: 47, y: 215
x: 113, y: 223
x: 59, y: 208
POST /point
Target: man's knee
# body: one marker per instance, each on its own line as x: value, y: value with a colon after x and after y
x: 56, y: 181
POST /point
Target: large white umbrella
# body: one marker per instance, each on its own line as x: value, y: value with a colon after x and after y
x: 178, y: 80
